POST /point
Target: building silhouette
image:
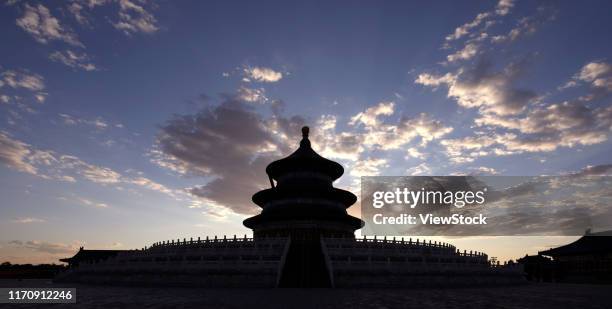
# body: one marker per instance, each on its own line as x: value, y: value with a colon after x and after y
x: 586, y: 260
x: 303, y: 237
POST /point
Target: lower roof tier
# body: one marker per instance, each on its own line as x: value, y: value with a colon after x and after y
x: 332, y: 195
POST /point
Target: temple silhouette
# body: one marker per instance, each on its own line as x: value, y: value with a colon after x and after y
x: 303, y: 237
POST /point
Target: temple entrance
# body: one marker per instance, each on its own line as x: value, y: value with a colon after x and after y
x: 305, y: 265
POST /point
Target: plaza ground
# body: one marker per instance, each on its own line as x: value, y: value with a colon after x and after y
x: 533, y: 295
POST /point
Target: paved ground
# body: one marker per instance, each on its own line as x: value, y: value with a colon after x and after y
x: 526, y: 296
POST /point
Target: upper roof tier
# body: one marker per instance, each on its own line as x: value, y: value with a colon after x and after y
x: 304, y: 159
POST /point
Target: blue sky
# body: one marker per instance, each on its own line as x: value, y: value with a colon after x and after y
x: 128, y: 122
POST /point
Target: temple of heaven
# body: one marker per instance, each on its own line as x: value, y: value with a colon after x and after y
x: 303, y: 237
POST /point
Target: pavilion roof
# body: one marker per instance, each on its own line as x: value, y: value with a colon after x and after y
x: 590, y: 243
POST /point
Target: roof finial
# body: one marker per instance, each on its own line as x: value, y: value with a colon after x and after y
x: 305, y: 131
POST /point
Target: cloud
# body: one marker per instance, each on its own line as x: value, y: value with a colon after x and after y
x: 465, y: 28
x: 414, y: 152
x: 464, y: 149
x: 46, y: 247
x: 23, y: 157
x: 43, y: 27
x: 73, y: 60
x: 22, y: 79
x: 392, y: 136
x: 553, y: 118
x: 368, y: 167
x: 594, y: 170
x: 14, y: 154
x: 370, y: 116
x: 25, y: 220
x: 98, y: 123
x: 483, y: 170
x: 480, y: 87
x: 232, y: 144
x: 229, y: 142
x: 469, y: 51
x: 420, y: 169
x: 93, y: 173
x: 251, y: 95
x: 88, y: 202
x: 504, y: 6
x: 513, y: 119
x: 591, y: 72
x: 152, y: 185
x: 333, y: 144
x: 597, y: 73
x: 262, y: 74
x: 76, y: 9
x: 542, y: 129
x: 11, y: 2
x: 134, y: 18
x: 546, y: 128
x: 525, y: 26
x: 17, y: 89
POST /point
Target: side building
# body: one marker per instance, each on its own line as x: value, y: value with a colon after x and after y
x: 586, y: 260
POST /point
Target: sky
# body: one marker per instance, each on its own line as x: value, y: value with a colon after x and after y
x: 128, y: 122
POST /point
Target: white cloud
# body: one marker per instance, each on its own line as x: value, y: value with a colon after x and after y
x: 40, y: 24
x: 525, y: 26
x: 90, y: 203
x: 594, y: 70
x: 464, y: 149
x: 14, y: 154
x: 483, y: 170
x: 504, y: 6
x: 134, y: 18
x: 151, y: 185
x: 597, y: 73
x: 435, y: 80
x: 469, y: 51
x: 421, y: 169
x: 465, y: 29
x: 252, y: 95
x: 78, y: 7
x: 336, y: 145
x: 22, y: 79
x: 262, y: 74
x: 73, y: 60
x: 11, y: 2
x: 93, y: 173
x: 26, y: 220
x: 541, y: 129
x: 46, y: 247
x: 98, y: 123
x: 387, y: 136
x: 491, y: 92
x: 370, y: 116
x: 414, y: 152
x: 368, y: 167
x: 49, y: 165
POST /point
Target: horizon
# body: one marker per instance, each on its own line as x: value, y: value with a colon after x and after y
x: 124, y: 123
